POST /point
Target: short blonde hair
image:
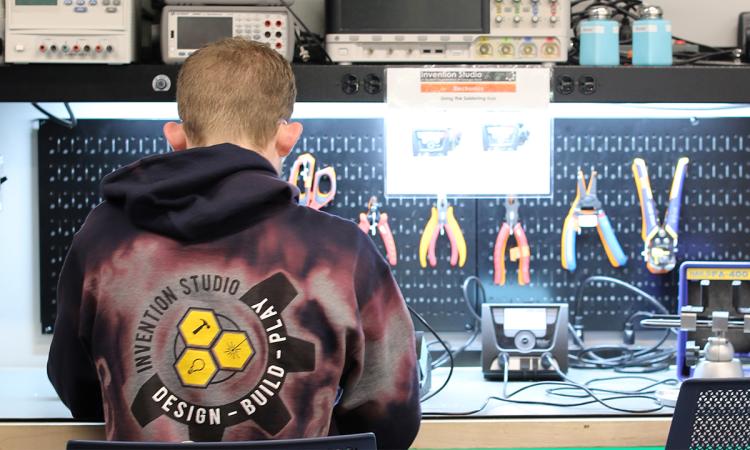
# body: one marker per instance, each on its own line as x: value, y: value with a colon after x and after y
x: 235, y: 88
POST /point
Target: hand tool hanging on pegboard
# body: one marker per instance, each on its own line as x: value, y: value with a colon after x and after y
x: 303, y: 170
x: 375, y: 221
x: 521, y: 253
x: 442, y: 221
x: 659, y: 239
x: 3, y: 179
x: 586, y: 212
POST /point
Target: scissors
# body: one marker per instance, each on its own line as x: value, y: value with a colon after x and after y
x: 310, y: 193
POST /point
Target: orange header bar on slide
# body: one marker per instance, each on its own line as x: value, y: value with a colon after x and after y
x: 467, y: 87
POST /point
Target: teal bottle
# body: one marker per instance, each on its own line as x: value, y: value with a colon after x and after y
x: 600, y: 39
x: 652, y: 38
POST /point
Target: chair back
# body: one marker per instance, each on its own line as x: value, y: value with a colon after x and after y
x: 711, y: 414
x: 364, y: 441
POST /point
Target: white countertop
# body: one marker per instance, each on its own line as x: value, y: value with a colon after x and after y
x: 26, y: 394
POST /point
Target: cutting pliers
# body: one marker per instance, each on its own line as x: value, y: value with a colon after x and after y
x: 310, y: 193
x: 660, y: 240
x: 374, y: 221
x: 442, y: 220
x: 521, y: 253
x: 586, y: 212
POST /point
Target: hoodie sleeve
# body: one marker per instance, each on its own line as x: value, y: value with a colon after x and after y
x: 70, y: 367
x: 380, y: 384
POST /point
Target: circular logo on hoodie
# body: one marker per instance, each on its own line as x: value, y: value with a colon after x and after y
x: 211, y: 347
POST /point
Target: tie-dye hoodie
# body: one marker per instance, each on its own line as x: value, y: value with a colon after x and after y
x: 200, y: 302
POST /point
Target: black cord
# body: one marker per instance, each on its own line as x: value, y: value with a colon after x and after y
x: 562, y: 384
x: 444, y: 357
x: 591, y: 394
x: 643, y: 390
x: 317, y: 38
x: 445, y: 346
x: 475, y: 310
x: 688, y: 41
x: 568, y: 384
x: 70, y: 123
x: 626, y: 10
x: 578, y: 305
x: 702, y: 57
x: 625, y: 359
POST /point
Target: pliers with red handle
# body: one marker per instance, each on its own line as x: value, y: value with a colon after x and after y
x: 521, y: 253
x: 374, y: 221
x: 442, y: 220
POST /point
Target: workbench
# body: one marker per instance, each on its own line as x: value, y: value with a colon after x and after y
x: 32, y: 417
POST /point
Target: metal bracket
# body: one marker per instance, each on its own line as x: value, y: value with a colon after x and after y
x: 720, y: 321
x: 688, y: 321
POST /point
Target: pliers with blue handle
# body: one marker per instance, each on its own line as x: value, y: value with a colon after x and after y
x: 586, y: 212
x: 660, y: 240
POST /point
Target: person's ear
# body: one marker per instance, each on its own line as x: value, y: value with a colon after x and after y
x: 175, y: 135
x: 287, y: 136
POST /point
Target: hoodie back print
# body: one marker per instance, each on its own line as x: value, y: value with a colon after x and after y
x: 200, y: 302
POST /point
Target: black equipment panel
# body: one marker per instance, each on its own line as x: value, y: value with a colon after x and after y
x: 715, y: 215
x: 407, y: 17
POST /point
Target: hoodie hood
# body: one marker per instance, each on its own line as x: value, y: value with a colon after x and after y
x: 198, y: 194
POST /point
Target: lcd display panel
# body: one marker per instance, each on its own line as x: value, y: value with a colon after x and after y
x: 36, y: 2
x: 414, y: 16
x: 195, y: 32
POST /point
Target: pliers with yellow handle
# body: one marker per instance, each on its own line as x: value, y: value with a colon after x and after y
x: 442, y: 221
x: 660, y: 240
x: 586, y: 212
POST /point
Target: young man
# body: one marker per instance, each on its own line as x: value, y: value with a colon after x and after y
x: 200, y: 302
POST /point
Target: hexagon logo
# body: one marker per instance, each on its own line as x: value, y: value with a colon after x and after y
x: 233, y: 350
x: 195, y: 367
x: 199, y: 327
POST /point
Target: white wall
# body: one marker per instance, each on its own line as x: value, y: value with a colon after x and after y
x: 21, y: 340
x: 312, y: 12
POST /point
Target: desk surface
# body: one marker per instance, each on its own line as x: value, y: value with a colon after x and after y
x: 468, y: 390
x: 33, y: 398
x: 30, y: 405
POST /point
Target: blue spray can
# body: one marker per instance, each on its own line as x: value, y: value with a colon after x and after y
x: 600, y: 38
x: 652, y: 38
